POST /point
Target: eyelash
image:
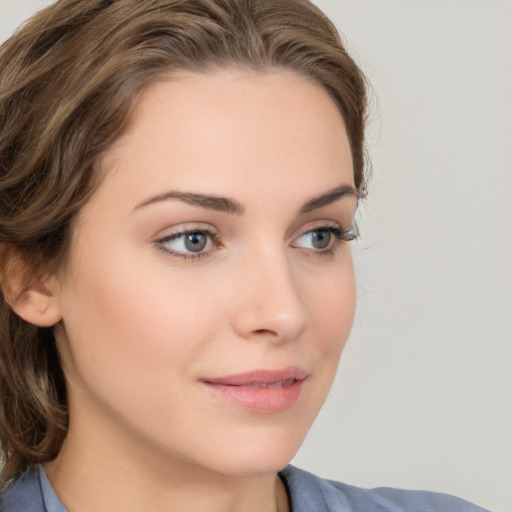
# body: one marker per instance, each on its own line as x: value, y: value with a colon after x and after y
x: 340, y: 234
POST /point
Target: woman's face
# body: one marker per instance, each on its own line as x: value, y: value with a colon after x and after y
x: 210, y: 287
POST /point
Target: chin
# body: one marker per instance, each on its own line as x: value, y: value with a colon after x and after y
x: 253, y: 465
x: 259, y: 451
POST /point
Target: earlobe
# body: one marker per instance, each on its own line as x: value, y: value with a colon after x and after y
x: 29, y: 294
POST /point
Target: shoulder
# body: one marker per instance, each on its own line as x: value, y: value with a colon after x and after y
x: 309, y: 492
x: 23, y: 495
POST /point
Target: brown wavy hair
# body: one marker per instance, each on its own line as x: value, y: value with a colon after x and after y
x: 69, y: 79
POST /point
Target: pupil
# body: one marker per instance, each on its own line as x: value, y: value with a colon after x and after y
x: 321, y: 239
x: 195, y: 242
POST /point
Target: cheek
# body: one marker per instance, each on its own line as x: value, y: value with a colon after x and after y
x: 129, y: 300
x: 333, y: 307
x: 330, y: 297
x: 128, y: 326
x: 335, y: 313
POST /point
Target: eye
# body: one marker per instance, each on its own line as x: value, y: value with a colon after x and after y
x: 323, y: 239
x: 190, y: 243
x: 317, y: 239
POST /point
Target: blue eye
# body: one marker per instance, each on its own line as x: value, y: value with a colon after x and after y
x: 188, y: 243
x: 194, y: 242
x: 322, y: 239
x: 317, y: 239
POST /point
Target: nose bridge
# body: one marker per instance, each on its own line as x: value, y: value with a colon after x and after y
x: 269, y: 299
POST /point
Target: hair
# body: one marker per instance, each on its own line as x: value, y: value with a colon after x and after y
x: 69, y: 80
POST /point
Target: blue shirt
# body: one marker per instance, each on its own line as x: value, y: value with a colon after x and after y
x: 32, y: 492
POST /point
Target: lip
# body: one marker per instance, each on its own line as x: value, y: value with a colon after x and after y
x: 262, y: 391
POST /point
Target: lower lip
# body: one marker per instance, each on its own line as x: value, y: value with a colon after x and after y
x: 262, y: 400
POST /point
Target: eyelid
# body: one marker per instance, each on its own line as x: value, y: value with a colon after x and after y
x: 184, y: 227
x: 327, y: 225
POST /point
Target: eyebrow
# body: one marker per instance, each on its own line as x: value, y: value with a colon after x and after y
x: 220, y: 204
x: 227, y: 205
x: 329, y: 197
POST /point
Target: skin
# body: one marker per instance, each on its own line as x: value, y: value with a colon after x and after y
x: 140, y: 327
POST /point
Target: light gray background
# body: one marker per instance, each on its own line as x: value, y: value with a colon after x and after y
x: 423, y: 396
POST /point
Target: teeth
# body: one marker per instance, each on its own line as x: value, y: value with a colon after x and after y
x: 273, y: 385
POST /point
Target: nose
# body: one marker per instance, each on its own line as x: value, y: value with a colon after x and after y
x: 268, y: 302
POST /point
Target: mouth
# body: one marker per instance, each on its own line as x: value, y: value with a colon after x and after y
x: 272, y: 385
x: 262, y: 391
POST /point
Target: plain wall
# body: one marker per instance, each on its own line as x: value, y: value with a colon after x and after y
x: 423, y: 395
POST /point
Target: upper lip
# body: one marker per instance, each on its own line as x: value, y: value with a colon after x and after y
x: 260, y: 377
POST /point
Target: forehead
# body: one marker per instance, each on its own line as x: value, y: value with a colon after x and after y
x: 233, y: 133
x: 246, y: 118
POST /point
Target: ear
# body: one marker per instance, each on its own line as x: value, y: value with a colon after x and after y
x: 31, y: 295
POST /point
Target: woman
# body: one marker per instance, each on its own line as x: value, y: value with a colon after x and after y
x: 179, y: 181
